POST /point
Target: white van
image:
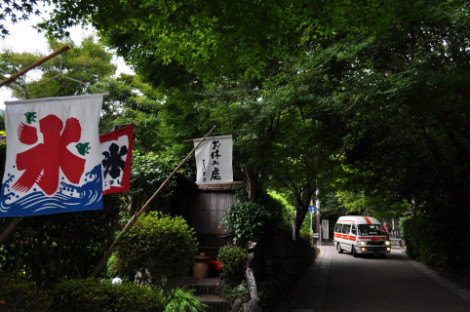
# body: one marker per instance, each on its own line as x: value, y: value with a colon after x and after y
x: 361, y: 235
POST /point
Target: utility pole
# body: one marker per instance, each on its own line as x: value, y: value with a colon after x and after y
x: 317, y: 218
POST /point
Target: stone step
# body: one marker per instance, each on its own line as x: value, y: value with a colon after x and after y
x: 215, y: 303
x: 207, y: 286
x: 206, y: 289
x: 183, y: 281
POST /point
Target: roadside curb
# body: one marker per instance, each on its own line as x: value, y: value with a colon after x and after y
x: 310, y: 281
x: 450, y: 285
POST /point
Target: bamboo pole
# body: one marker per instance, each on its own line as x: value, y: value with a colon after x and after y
x: 113, y: 246
x: 15, y: 222
x: 134, y: 217
x: 174, y: 171
x: 34, y: 65
x: 10, y: 228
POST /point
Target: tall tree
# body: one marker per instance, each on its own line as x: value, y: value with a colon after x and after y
x: 84, y: 65
x: 392, y: 74
x: 211, y: 37
x: 15, y: 11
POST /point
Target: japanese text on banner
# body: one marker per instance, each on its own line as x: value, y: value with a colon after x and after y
x: 214, y: 160
x: 53, y: 160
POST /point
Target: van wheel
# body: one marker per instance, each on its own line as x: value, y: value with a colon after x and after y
x: 353, y: 251
x: 338, y: 247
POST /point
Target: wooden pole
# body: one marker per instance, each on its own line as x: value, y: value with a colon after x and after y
x: 10, y: 228
x: 113, y: 246
x: 134, y: 218
x: 34, y: 65
x: 173, y: 173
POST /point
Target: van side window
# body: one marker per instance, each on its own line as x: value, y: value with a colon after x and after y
x: 338, y: 228
x: 346, y: 228
x: 354, y: 229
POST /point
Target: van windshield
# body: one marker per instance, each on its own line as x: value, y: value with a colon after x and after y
x: 370, y: 229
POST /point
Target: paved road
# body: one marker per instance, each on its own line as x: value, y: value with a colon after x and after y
x: 340, y: 282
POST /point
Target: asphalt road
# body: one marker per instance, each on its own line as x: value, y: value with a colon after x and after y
x: 340, y: 282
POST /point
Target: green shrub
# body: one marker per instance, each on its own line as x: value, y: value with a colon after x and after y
x: 252, y: 218
x: 269, y: 291
x: 232, y: 282
x: 93, y: 295
x: 116, y: 267
x: 19, y: 297
x: 232, y: 291
x: 234, y: 259
x: 49, y: 248
x: 181, y: 300
x: 160, y: 247
x: 430, y: 237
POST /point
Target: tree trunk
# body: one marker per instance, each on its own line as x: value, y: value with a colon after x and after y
x: 252, y: 178
x: 301, y: 209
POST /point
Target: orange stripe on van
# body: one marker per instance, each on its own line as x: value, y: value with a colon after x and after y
x: 368, y: 220
x: 347, y: 221
x: 345, y: 236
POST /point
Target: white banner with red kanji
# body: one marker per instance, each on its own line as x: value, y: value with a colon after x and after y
x: 53, y: 161
x: 214, y: 160
x: 116, y: 152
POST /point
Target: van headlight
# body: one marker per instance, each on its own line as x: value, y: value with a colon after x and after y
x: 387, y: 243
x: 362, y: 243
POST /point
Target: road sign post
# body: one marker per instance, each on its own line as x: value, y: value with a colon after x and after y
x: 311, y: 204
x: 317, y: 219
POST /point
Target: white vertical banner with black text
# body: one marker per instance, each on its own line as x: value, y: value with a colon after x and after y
x: 214, y: 160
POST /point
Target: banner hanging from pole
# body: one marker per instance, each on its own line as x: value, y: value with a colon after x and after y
x: 214, y: 160
x: 53, y: 161
x: 116, y: 151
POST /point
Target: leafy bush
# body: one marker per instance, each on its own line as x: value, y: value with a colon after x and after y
x: 232, y: 291
x: 116, y: 267
x: 182, y: 300
x: 252, y: 218
x: 93, y: 295
x: 269, y: 291
x: 22, y: 297
x: 234, y: 259
x: 159, y: 247
x: 430, y: 237
x: 401, y: 226
x: 46, y: 249
x: 232, y: 282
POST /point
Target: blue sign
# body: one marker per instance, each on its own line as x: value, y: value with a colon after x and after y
x: 312, y: 208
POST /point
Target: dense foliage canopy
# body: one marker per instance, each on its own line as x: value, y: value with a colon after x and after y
x: 370, y: 97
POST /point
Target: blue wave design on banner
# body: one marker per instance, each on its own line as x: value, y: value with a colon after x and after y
x: 68, y: 198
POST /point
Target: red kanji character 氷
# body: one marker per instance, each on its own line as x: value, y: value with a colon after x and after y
x: 41, y: 163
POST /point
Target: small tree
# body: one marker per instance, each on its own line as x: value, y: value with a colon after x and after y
x: 157, y: 246
x: 234, y: 261
x: 252, y: 218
